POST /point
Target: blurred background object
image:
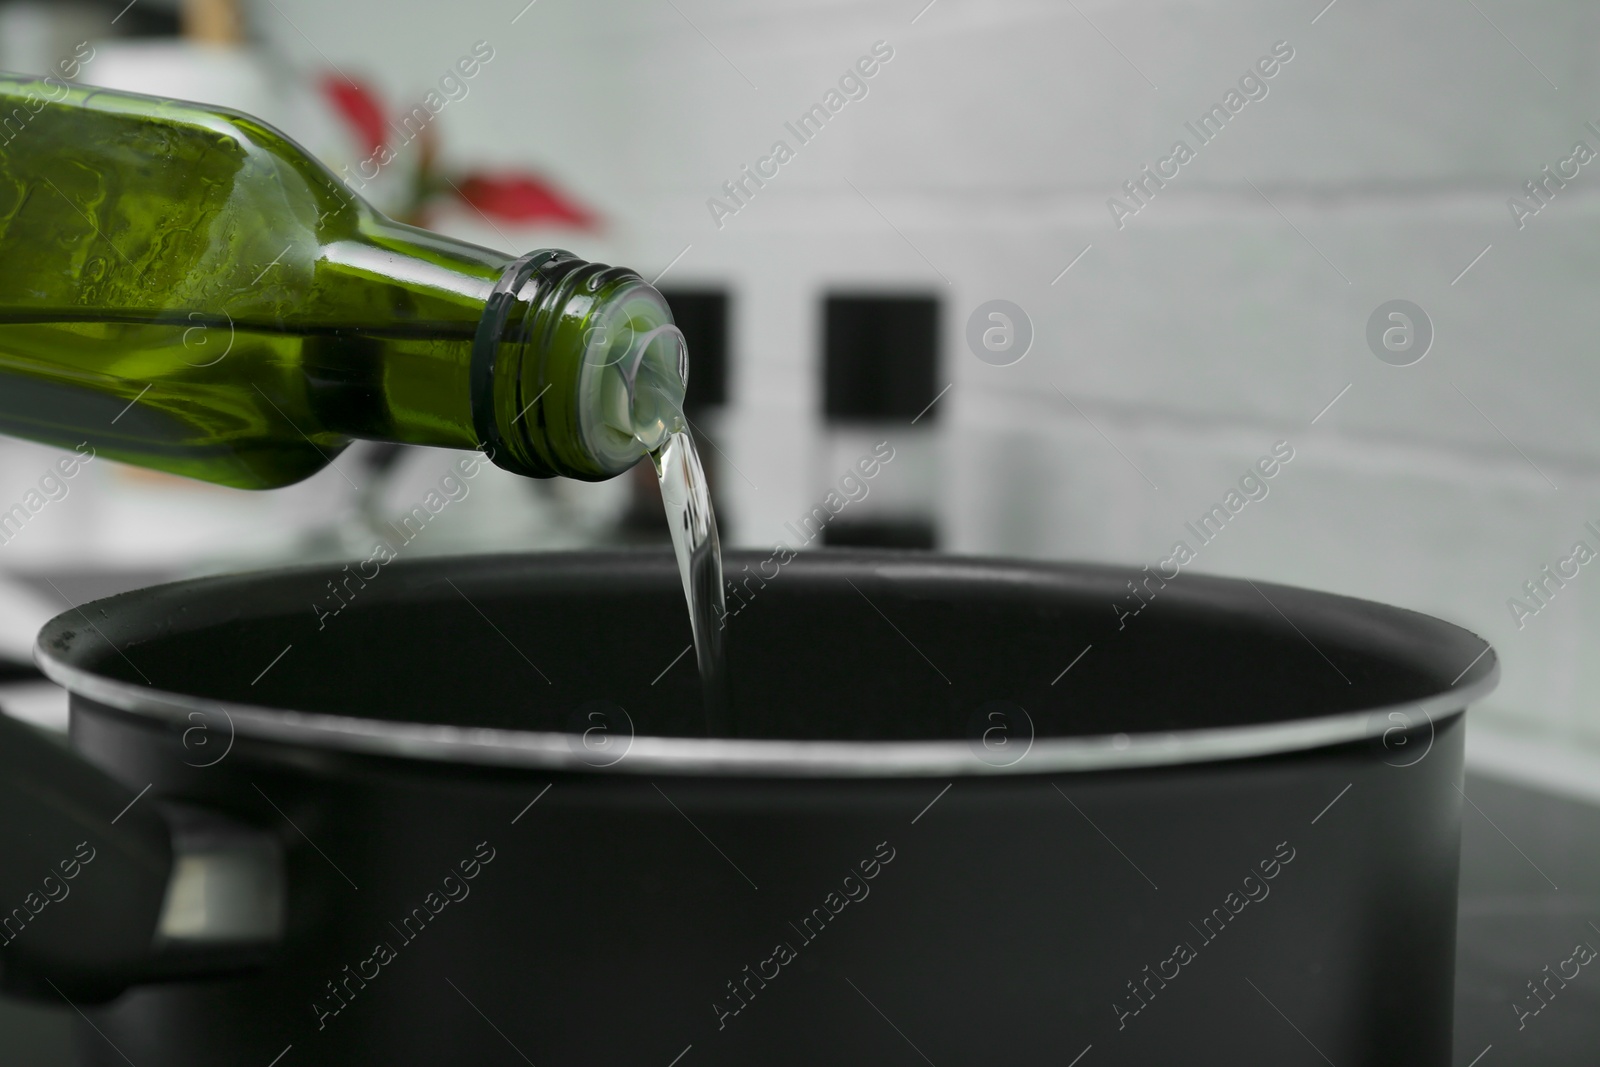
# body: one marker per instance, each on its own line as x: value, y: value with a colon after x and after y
x: 830, y: 300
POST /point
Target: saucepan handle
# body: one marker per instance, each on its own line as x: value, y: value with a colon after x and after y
x: 101, y: 887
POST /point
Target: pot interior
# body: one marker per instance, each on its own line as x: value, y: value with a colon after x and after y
x: 828, y: 646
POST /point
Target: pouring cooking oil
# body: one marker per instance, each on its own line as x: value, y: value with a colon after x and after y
x: 687, y: 498
x: 184, y: 288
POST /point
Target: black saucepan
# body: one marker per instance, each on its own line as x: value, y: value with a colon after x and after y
x: 460, y: 811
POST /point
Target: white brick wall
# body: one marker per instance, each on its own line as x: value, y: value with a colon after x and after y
x: 1206, y: 330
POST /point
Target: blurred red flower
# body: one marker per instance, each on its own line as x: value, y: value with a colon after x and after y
x: 523, y: 198
x: 360, y: 108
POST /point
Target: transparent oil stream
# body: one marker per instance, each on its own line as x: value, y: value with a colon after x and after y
x: 687, y: 499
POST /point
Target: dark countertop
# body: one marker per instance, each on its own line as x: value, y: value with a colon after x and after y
x: 1530, y: 892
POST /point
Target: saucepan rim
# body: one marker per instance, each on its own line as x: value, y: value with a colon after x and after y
x: 690, y: 756
x: 693, y: 756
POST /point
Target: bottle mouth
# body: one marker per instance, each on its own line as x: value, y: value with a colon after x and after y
x: 577, y: 368
x: 632, y: 383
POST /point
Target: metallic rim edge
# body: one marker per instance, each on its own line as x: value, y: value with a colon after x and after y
x: 731, y: 757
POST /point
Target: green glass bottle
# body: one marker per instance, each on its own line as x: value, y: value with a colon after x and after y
x: 184, y: 288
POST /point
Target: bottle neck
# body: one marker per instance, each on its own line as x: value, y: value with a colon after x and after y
x: 552, y: 366
x: 576, y: 370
